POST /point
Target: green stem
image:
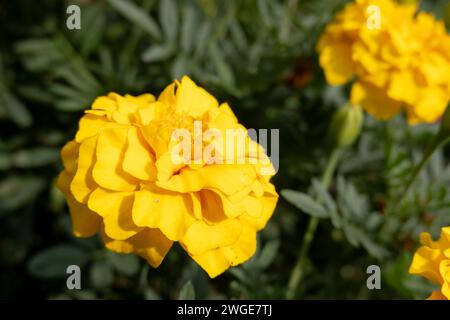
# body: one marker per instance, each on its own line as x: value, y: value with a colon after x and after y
x: 298, y: 271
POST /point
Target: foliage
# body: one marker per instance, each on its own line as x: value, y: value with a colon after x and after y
x: 259, y: 55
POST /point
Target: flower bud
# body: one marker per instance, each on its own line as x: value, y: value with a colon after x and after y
x: 346, y: 126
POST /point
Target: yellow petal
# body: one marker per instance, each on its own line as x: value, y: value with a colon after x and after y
x: 83, y: 184
x: 170, y: 212
x: 268, y: 203
x: 150, y: 244
x: 436, y: 295
x: 226, y: 178
x: 188, y: 180
x: 85, y: 223
x: 138, y: 160
x: 426, y: 263
x: 69, y: 156
x: 403, y: 87
x: 90, y: 125
x: 444, y: 269
x: 202, y: 237
x: 168, y: 95
x: 374, y: 101
x: 336, y: 60
x: 106, y: 103
x: 108, y: 172
x: 218, y: 260
x: 115, y: 208
x: 431, y: 104
x: 193, y: 100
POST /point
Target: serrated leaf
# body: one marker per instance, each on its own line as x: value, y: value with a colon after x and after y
x: 305, y: 203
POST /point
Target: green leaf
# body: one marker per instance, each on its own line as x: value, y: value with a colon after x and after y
x: 5, y: 161
x: 16, y: 192
x: 102, y: 275
x: 35, y: 157
x: 305, y: 203
x: 151, y: 294
x: 188, y: 28
x: 157, y: 53
x: 168, y: 16
x: 53, y: 262
x: 126, y: 264
x: 187, y: 292
x: 180, y: 67
x: 135, y: 14
x: 268, y: 254
x: 17, y: 111
x: 222, y: 68
x: 330, y: 205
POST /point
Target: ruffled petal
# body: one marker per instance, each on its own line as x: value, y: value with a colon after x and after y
x: 193, y: 100
x: 218, y: 260
x: 150, y: 244
x: 170, y: 212
x: 85, y: 223
x: 115, y: 208
x: 202, y: 237
x: 83, y: 184
x: 138, y: 160
x: 110, y: 152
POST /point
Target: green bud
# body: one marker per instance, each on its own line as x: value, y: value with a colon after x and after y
x: 346, y: 126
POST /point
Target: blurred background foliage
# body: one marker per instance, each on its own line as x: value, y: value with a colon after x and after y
x: 259, y: 55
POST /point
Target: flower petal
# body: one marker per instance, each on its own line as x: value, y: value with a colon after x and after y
x: 85, y: 223
x: 150, y: 244
x: 170, y: 212
x: 192, y: 99
x: 202, y: 237
x: 83, y: 184
x: 218, y: 260
x: 115, y: 208
x: 108, y: 172
x: 138, y: 160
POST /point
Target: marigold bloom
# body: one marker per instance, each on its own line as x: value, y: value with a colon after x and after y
x: 400, y: 60
x: 432, y: 261
x: 119, y: 179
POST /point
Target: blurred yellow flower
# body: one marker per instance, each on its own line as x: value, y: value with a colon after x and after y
x: 399, y: 60
x: 432, y: 261
x: 120, y: 179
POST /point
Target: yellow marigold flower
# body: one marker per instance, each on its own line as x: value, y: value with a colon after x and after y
x: 120, y: 179
x: 432, y: 261
x: 400, y: 60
